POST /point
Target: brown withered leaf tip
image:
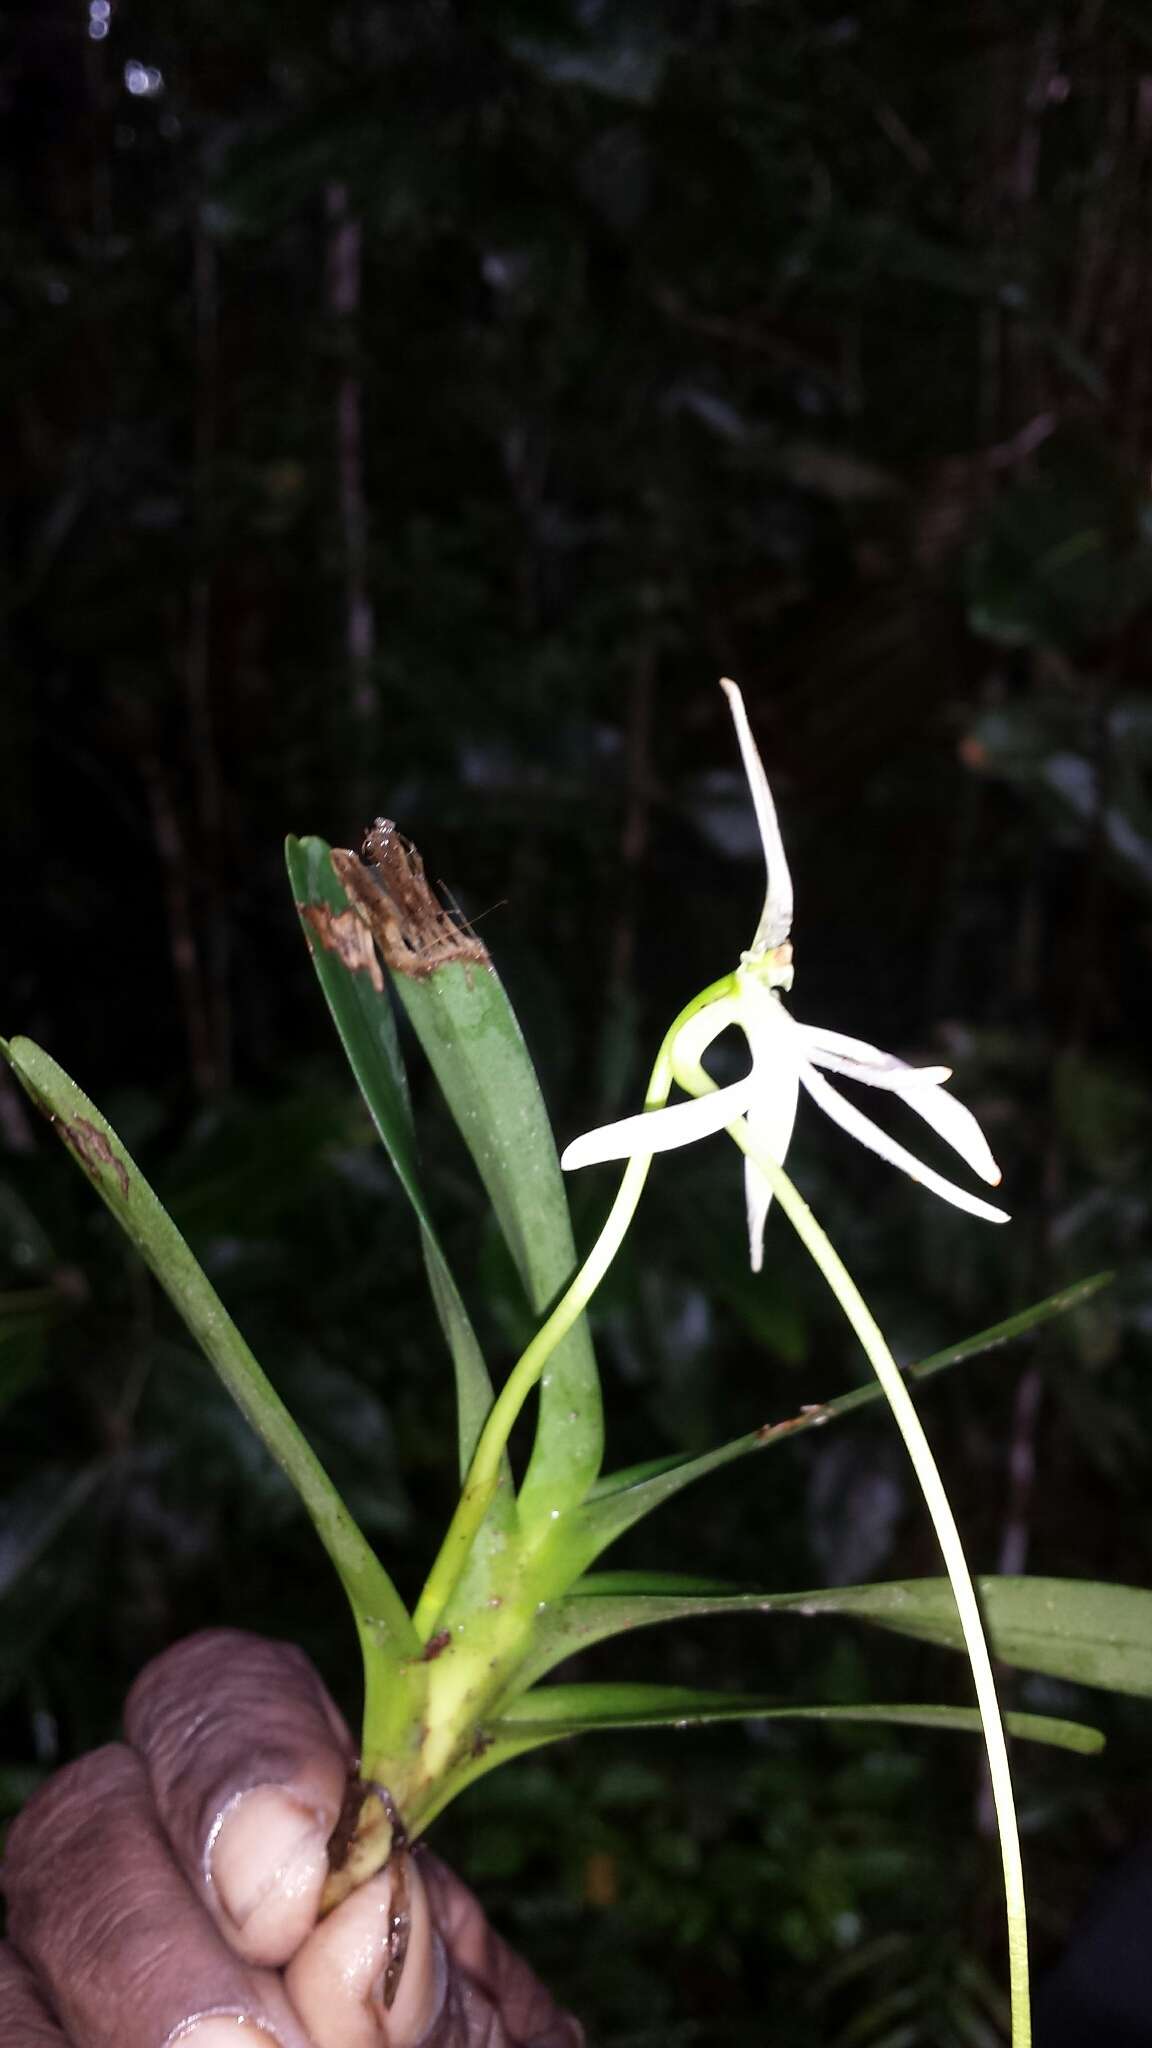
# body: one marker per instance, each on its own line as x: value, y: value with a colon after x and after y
x: 345, y: 934
x: 92, y: 1149
x: 392, y: 893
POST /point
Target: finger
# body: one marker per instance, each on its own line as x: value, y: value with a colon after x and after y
x: 126, y: 1955
x: 248, y: 1760
x: 372, y: 1974
x: 501, y: 1981
x: 25, y: 2021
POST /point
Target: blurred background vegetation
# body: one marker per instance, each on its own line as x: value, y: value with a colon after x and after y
x: 413, y: 407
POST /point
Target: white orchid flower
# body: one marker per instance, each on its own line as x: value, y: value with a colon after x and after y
x: 787, y: 1056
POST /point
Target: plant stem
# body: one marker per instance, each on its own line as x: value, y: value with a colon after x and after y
x: 484, y: 1471
x: 859, y: 1315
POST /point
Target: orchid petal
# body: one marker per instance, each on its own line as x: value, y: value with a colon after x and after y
x: 660, y: 1130
x: 952, y: 1121
x: 770, y: 1120
x: 776, y: 916
x: 839, y: 1053
x: 776, y: 1059
x: 919, y: 1087
x: 895, y: 1077
x: 867, y: 1133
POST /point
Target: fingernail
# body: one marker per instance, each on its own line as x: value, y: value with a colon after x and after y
x: 268, y: 1864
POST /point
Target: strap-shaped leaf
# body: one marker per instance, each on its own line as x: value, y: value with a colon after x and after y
x: 554, y: 1713
x: 623, y: 1498
x: 607, y: 1604
x: 354, y: 989
x: 468, y: 1031
x: 1077, y: 1629
x: 1074, y: 1629
x: 94, y: 1145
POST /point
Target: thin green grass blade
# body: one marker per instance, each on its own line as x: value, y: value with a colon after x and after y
x: 95, y: 1147
x: 353, y: 985
x: 621, y: 1499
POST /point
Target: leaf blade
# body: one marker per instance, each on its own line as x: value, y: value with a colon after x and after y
x: 118, y: 1180
x: 572, y: 1709
x: 472, y: 1040
x: 362, y: 1013
x: 622, y: 1499
x: 1078, y: 1630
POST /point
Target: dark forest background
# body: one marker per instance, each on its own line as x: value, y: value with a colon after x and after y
x: 414, y: 408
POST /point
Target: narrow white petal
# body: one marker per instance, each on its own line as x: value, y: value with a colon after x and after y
x: 776, y: 916
x: 771, y: 1118
x: 919, y: 1087
x: 757, y: 1202
x: 895, y: 1077
x: 660, y: 1130
x: 827, y: 1047
x: 776, y: 1058
x: 953, y: 1122
x: 862, y: 1128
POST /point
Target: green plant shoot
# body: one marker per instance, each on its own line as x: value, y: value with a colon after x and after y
x: 454, y: 1688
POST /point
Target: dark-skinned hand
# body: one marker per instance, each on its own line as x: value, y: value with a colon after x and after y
x: 166, y: 1890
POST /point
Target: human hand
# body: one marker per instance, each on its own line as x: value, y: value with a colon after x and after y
x: 166, y: 1890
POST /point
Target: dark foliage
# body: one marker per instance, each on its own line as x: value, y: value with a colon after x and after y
x: 414, y: 408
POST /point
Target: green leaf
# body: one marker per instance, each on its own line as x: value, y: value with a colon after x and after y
x: 554, y: 1712
x: 623, y: 1498
x: 95, y: 1147
x: 607, y: 1604
x: 1074, y: 1629
x: 1019, y: 1325
x: 1077, y: 1629
x: 354, y: 990
x: 469, y: 1034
